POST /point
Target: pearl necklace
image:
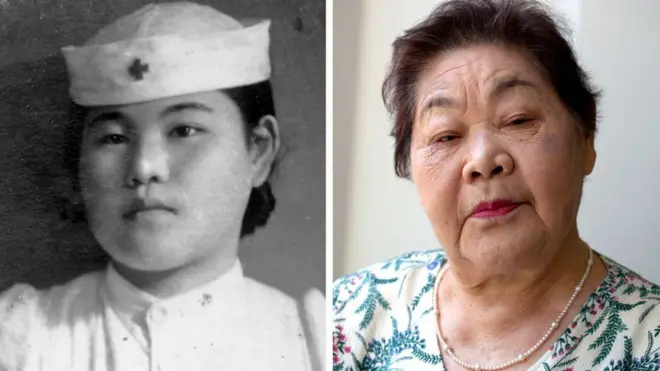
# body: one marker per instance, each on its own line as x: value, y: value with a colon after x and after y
x: 522, y: 356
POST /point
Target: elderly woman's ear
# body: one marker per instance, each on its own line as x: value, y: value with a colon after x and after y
x: 589, y: 155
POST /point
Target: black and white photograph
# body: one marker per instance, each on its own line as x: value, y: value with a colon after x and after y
x: 163, y: 185
x: 345, y: 185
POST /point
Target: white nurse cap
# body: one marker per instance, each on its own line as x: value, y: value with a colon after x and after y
x: 164, y: 50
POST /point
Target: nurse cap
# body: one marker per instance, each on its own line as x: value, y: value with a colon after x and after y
x: 164, y: 50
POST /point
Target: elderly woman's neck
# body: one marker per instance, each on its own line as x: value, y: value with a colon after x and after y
x: 505, y: 300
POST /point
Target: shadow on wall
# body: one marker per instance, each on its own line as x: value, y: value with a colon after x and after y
x: 346, y: 61
x: 39, y: 247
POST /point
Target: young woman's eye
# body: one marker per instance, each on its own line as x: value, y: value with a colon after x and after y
x: 185, y: 131
x: 112, y: 139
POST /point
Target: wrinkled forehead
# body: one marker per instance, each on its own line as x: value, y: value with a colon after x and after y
x: 480, y: 72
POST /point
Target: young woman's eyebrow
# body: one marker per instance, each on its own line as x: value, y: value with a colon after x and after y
x: 104, y: 117
x: 176, y: 108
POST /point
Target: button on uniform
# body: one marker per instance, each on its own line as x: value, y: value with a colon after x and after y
x: 158, y: 314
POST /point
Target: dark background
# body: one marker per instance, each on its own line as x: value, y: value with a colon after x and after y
x: 39, y: 247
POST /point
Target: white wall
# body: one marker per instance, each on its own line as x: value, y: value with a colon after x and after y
x: 378, y: 216
x: 375, y: 214
x: 619, y: 43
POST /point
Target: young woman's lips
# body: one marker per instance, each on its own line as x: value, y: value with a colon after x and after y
x: 148, y: 210
x: 494, y: 208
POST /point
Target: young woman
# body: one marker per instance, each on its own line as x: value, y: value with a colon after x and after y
x: 174, y: 138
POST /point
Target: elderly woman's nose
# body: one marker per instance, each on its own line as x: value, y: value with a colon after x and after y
x: 487, y: 159
x: 147, y: 163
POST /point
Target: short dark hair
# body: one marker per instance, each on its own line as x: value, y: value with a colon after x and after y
x: 254, y: 102
x: 526, y: 25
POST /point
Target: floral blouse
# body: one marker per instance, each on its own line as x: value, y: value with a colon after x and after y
x: 383, y: 319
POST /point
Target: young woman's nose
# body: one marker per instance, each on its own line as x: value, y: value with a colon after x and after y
x: 147, y: 163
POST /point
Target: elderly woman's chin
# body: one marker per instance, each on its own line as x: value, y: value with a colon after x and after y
x: 515, y: 240
x: 515, y: 235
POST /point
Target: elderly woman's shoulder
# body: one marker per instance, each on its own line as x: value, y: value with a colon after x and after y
x: 409, y: 275
x: 396, y: 267
x: 618, y: 324
x: 623, y: 280
x: 624, y: 304
x: 628, y: 292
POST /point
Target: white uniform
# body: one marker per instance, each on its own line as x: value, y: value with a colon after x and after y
x: 100, y: 322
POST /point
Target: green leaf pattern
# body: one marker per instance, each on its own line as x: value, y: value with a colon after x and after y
x: 383, y: 320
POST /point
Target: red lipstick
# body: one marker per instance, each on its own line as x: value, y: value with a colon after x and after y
x: 494, y: 208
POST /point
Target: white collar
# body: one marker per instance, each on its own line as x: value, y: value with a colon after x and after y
x: 225, y: 293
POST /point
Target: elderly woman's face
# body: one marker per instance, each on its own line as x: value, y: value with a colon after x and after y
x: 498, y: 161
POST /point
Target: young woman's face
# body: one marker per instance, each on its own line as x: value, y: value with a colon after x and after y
x: 166, y: 182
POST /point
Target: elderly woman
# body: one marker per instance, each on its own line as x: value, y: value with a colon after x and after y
x: 173, y: 141
x: 494, y: 122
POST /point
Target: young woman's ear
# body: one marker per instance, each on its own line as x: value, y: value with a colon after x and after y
x: 264, y: 146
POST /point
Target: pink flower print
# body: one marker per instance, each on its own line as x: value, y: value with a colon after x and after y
x: 339, y: 346
x: 569, y: 369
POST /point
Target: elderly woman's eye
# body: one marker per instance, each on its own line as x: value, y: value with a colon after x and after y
x: 445, y: 138
x: 184, y: 131
x: 519, y: 121
x: 112, y: 139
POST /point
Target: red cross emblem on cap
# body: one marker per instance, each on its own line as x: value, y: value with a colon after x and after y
x: 137, y: 69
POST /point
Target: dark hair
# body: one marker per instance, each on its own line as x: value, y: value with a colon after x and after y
x: 525, y: 25
x: 254, y: 102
